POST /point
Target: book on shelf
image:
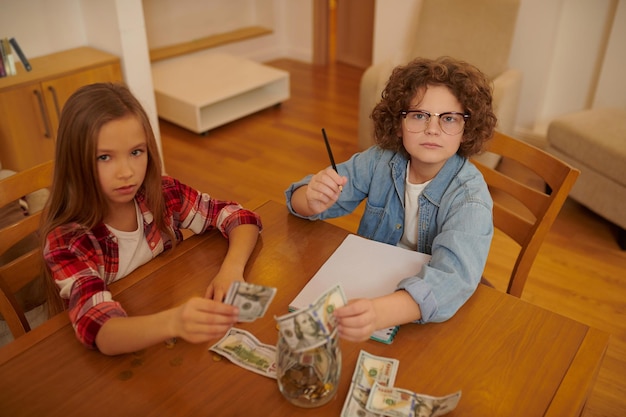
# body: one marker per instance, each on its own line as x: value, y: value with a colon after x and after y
x: 2, y: 71
x: 365, y: 269
x: 5, y: 62
x: 20, y: 54
x: 9, y: 64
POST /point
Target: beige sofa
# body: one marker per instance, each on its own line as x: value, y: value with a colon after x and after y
x: 594, y: 141
x: 479, y: 32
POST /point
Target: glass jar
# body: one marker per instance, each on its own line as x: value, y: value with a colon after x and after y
x: 308, y: 378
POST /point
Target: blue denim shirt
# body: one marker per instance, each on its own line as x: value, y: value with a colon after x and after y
x: 455, y: 223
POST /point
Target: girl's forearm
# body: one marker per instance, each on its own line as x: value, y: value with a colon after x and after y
x: 241, y: 242
x: 130, y: 334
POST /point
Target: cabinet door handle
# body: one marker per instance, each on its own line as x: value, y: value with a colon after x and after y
x: 42, y: 108
x: 56, y: 101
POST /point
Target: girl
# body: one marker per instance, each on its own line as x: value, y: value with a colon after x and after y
x: 111, y: 210
x: 422, y: 191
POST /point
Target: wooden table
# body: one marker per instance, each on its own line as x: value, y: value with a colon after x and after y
x: 509, y: 358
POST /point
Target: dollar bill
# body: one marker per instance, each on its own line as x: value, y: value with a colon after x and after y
x: 326, y: 304
x: 252, y: 300
x: 369, y: 369
x: 243, y: 349
x: 398, y: 402
x: 312, y: 326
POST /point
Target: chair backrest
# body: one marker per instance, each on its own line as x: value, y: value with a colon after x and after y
x: 25, y: 268
x: 479, y: 31
x: 522, y: 211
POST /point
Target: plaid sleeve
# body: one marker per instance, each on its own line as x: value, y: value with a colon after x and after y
x: 78, y: 267
x: 199, y: 212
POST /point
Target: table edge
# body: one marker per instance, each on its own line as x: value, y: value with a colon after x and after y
x: 56, y: 323
x: 571, y: 397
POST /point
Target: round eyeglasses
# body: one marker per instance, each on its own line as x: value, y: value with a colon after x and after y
x: 451, y: 122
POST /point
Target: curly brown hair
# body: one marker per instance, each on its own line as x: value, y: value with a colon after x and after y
x: 468, y: 84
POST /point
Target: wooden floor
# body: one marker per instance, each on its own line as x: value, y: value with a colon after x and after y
x: 580, y: 272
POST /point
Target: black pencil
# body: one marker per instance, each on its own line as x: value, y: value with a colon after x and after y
x: 330, y: 152
x: 330, y: 155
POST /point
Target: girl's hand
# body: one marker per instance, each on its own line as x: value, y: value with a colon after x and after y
x: 200, y: 320
x: 324, y: 189
x: 356, y: 321
x: 241, y: 242
x: 218, y: 288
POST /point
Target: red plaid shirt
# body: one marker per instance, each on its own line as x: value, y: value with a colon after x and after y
x: 83, y: 262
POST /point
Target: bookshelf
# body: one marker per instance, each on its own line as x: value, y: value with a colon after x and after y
x: 31, y: 101
x: 211, y: 41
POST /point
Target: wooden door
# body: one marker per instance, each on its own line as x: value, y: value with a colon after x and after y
x: 352, y: 31
x: 355, y: 32
x: 58, y: 90
x: 26, y: 135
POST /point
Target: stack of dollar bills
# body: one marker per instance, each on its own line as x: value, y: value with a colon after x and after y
x: 372, y: 393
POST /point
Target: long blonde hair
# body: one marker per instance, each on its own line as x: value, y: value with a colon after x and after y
x: 76, y: 196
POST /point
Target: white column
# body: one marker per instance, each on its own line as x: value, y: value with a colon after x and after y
x: 118, y: 27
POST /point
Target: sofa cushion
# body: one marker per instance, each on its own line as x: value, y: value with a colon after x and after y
x: 596, y: 137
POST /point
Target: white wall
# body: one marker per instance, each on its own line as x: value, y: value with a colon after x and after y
x: 119, y: 27
x: 115, y: 26
x: 170, y: 22
x: 291, y: 22
x: 609, y: 92
x: 558, y: 52
x: 42, y: 26
x: 557, y: 43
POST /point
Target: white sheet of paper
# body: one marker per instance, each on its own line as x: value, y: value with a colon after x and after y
x: 364, y: 268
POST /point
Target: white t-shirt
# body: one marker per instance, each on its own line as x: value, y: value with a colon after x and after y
x: 411, y: 209
x: 133, y: 247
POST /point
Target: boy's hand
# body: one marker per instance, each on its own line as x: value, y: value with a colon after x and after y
x: 356, y: 321
x: 324, y: 189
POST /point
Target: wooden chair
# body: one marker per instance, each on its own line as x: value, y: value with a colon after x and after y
x: 524, y: 212
x: 21, y: 271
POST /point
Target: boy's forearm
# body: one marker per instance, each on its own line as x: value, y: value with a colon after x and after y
x: 299, y: 202
x: 395, y: 309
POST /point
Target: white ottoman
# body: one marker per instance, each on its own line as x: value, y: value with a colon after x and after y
x: 204, y: 90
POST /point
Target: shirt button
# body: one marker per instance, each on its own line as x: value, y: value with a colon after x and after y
x: 152, y: 244
x: 398, y: 226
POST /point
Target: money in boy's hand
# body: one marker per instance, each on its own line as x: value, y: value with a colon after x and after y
x: 252, y: 300
x: 397, y: 402
x: 311, y: 327
x: 327, y: 303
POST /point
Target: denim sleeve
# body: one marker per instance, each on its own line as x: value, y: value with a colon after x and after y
x: 359, y: 170
x: 459, y: 254
x: 289, y: 193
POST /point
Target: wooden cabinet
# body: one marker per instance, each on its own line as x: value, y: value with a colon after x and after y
x: 31, y: 102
